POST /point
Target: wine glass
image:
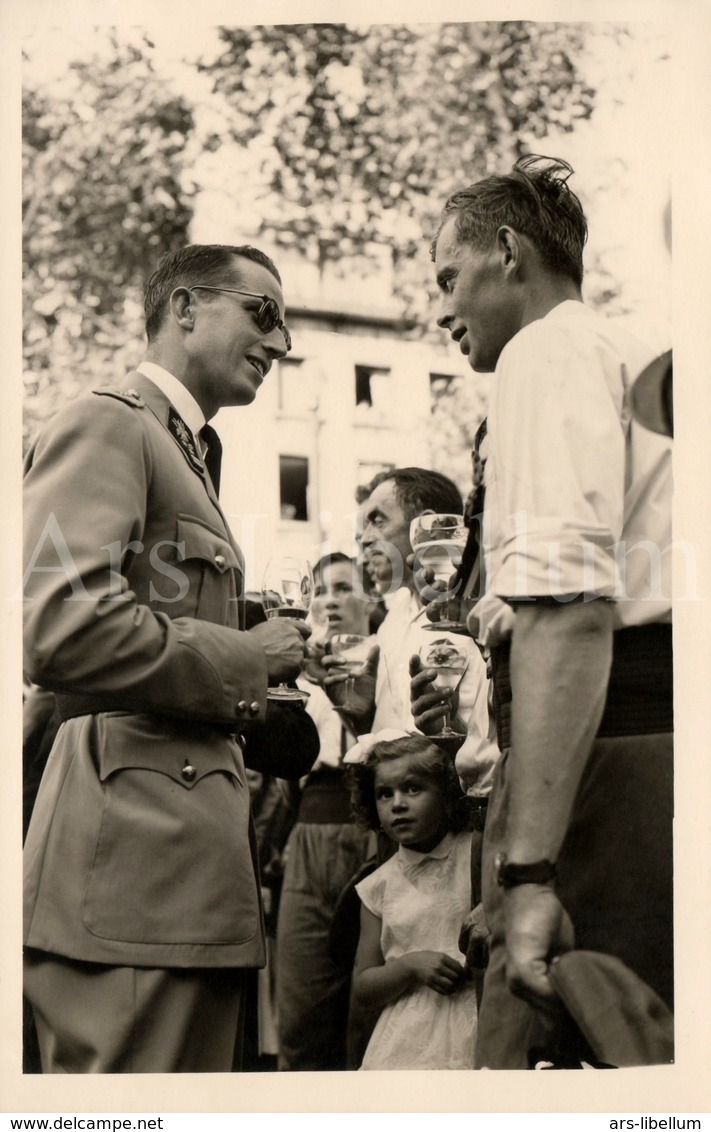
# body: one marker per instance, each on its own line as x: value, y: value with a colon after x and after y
x: 351, y: 650
x: 450, y: 662
x: 438, y: 541
x: 287, y: 589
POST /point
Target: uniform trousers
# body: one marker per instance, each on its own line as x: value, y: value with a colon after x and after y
x: 614, y: 880
x: 93, y: 1018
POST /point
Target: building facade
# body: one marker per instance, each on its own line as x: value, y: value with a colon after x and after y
x: 353, y: 398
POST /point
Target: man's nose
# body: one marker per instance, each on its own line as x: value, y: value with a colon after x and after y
x: 275, y: 344
x: 368, y: 537
x: 445, y: 317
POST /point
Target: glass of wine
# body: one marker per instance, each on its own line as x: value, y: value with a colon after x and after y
x: 351, y: 650
x: 450, y: 661
x: 438, y: 542
x: 287, y: 589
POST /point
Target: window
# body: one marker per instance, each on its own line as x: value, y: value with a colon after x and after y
x: 293, y: 488
x: 369, y: 386
x: 439, y: 386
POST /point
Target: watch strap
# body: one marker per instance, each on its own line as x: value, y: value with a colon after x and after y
x: 509, y: 873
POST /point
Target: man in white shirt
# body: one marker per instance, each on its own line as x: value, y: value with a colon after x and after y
x: 576, y: 534
x: 394, y: 499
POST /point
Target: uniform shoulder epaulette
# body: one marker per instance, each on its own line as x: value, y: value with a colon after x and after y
x: 128, y: 396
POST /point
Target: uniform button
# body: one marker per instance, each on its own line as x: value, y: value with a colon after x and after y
x: 220, y: 561
x: 188, y: 772
x: 254, y: 708
x: 241, y: 707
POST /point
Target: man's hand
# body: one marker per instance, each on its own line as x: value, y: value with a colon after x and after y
x: 313, y: 669
x: 362, y: 697
x: 435, y: 969
x: 474, y: 939
x: 429, y: 704
x: 284, y: 644
x: 537, y: 929
x: 437, y: 598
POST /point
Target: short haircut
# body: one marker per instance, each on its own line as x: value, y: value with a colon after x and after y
x: 429, y: 760
x: 534, y: 199
x: 332, y: 559
x: 418, y: 490
x: 196, y: 263
x: 368, y: 592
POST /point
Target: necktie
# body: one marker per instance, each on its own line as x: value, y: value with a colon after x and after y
x: 471, y: 568
x: 213, y: 454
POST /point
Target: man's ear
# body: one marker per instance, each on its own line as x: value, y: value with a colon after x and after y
x: 508, y: 244
x: 182, y: 307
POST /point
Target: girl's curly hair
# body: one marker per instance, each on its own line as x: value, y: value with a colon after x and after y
x: 430, y: 761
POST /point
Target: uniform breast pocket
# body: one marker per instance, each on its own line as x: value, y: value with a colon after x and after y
x: 200, y: 574
x: 172, y: 862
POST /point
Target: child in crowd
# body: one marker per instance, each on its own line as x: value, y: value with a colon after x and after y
x: 408, y: 963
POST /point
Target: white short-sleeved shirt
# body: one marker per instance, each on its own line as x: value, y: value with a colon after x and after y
x: 578, y: 494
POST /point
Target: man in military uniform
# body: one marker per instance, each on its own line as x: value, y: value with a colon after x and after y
x: 143, y: 909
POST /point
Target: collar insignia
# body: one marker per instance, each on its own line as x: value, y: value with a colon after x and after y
x: 182, y: 434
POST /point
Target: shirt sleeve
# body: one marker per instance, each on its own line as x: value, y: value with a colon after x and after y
x: 371, y: 891
x: 558, y: 450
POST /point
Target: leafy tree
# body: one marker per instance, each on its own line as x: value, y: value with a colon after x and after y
x: 102, y: 196
x: 352, y: 137
x: 364, y: 131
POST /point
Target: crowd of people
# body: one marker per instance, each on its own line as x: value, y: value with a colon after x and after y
x: 378, y: 871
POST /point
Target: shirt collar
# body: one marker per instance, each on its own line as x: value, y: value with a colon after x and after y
x: 439, y: 853
x: 180, y: 398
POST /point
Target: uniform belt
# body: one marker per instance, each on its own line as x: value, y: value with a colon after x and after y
x: 640, y: 691
x: 72, y: 704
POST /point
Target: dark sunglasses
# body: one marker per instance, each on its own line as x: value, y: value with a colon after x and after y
x: 267, y: 317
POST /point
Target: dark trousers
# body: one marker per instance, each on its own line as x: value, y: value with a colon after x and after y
x: 615, y: 881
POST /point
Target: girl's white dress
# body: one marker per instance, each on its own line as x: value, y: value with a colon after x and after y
x: 422, y: 899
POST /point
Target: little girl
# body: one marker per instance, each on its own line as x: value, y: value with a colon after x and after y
x: 408, y: 963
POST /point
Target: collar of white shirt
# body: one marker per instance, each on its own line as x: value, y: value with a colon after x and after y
x: 180, y: 398
x: 439, y: 853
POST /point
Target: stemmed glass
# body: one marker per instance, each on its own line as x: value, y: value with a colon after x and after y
x: 438, y: 541
x: 287, y: 589
x: 351, y: 650
x: 450, y: 662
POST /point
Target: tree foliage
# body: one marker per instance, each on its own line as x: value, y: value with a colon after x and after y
x: 364, y: 131
x: 102, y: 159
x: 356, y: 133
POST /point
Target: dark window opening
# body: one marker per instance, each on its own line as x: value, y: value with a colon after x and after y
x: 293, y: 487
x: 440, y: 384
x: 363, y: 385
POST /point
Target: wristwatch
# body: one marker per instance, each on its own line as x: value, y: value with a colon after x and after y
x: 509, y: 874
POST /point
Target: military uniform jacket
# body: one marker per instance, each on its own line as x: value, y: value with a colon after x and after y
x: 140, y: 850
